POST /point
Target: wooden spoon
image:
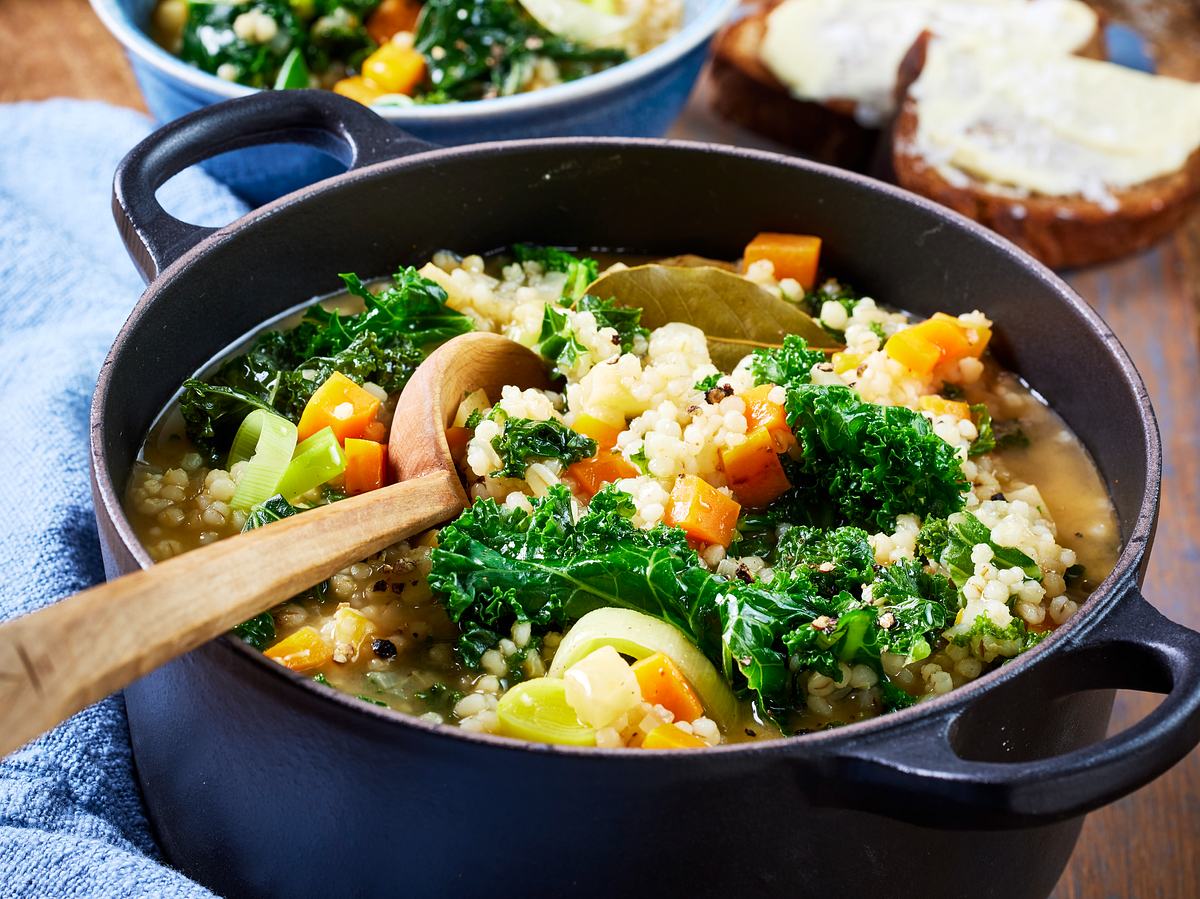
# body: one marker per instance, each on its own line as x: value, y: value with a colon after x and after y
x: 67, y: 656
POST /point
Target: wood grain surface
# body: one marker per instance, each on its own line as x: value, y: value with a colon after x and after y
x: 1143, y: 846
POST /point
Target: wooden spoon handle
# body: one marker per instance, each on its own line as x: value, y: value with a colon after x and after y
x: 69, y: 655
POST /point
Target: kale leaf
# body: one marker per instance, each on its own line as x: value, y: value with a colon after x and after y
x: 212, y: 413
x: 259, y: 631
x: 788, y: 366
x: 986, y: 441
x: 557, y: 342
x: 414, y: 306
x: 836, y: 560
x: 280, y: 371
x: 869, y: 463
x: 951, y: 544
x: 919, y: 605
x: 523, y: 442
x: 487, y: 48
x: 625, y: 320
x: 210, y: 42
x: 580, y: 270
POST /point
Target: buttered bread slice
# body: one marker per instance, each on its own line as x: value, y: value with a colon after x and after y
x: 821, y: 75
x: 1077, y: 161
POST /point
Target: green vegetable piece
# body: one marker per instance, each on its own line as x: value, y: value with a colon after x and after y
x: 868, y: 463
x: 736, y: 315
x: 212, y: 412
x: 637, y: 635
x: 371, y: 700
x: 265, y: 442
x: 788, y: 366
x: 478, y: 48
x: 986, y: 441
x: 963, y: 533
x: 293, y: 74
x: 269, y: 510
x: 524, y: 442
x: 537, y: 710
x: 317, y: 460
x: 259, y: 631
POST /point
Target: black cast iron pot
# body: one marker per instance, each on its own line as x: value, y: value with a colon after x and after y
x: 259, y: 782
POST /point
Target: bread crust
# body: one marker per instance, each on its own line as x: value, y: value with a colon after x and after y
x: 746, y: 93
x: 1062, y: 232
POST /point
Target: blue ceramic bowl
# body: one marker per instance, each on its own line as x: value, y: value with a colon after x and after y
x: 639, y: 98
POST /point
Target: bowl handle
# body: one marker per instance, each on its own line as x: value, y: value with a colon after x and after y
x: 337, y: 125
x: 914, y: 773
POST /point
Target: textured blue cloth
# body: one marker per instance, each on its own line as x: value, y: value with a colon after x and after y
x: 71, y: 819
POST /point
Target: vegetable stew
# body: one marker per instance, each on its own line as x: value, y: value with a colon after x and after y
x: 752, y: 507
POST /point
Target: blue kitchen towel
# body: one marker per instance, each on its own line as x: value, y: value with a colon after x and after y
x: 71, y: 819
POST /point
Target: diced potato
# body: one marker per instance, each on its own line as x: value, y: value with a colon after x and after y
x: 601, y: 687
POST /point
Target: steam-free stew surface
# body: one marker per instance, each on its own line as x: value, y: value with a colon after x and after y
x: 633, y: 412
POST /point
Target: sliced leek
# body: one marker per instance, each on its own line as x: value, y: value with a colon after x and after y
x: 316, y: 460
x: 588, y: 23
x: 265, y: 442
x: 638, y: 636
x: 537, y: 710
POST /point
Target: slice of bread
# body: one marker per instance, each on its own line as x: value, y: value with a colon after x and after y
x: 746, y: 93
x: 830, y: 129
x: 1063, y: 230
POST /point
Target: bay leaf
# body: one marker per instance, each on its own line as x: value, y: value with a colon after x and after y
x: 691, y: 260
x: 737, y: 316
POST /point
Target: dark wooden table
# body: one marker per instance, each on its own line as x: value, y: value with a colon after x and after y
x: 1143, y: 846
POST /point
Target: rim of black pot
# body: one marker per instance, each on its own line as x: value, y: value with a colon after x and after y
x: 1107, y: 594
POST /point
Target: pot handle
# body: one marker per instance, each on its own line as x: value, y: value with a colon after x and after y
x: 914, y: 773
x: 321, y: 119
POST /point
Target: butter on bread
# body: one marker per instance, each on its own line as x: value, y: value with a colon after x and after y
x: 1077, y: 161
x: 821, y: 75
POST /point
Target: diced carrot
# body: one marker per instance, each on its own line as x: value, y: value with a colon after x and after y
x: 376, y: 431
x: 603, y: 468
x: 977, y: 336
x: 912, y: 350
x: 763, y: 412
x: 793, y: 255
x: 339, y: 404
x: 942, y: 338
x: 941, y: 406
x: 702, y: 511
x: 663, y: 684
x: 668, y: 736
x: 301, y: 651
x: 947, y: 334
x: 753, y: 469
x: 394, y: 69
x: 359, y: 89
x: 365, y: 465
x: 602, y: 432
x: 391, y: 17
x: 457, y: 439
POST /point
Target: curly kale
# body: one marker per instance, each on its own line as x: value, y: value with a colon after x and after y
x: 986, y: 441
x: 259, y: 631
x: 523, y: 442
x: 836, y: 560
x: 986, y: 639
x: 488, y: 48
x: 789, y: 365
x: 580, y: 270
x: 950, y: 542
x: 497, y: 565
x: 557, y: 342
x: 868, y: 463
x: 321, y: 32
x: 280, y: 371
